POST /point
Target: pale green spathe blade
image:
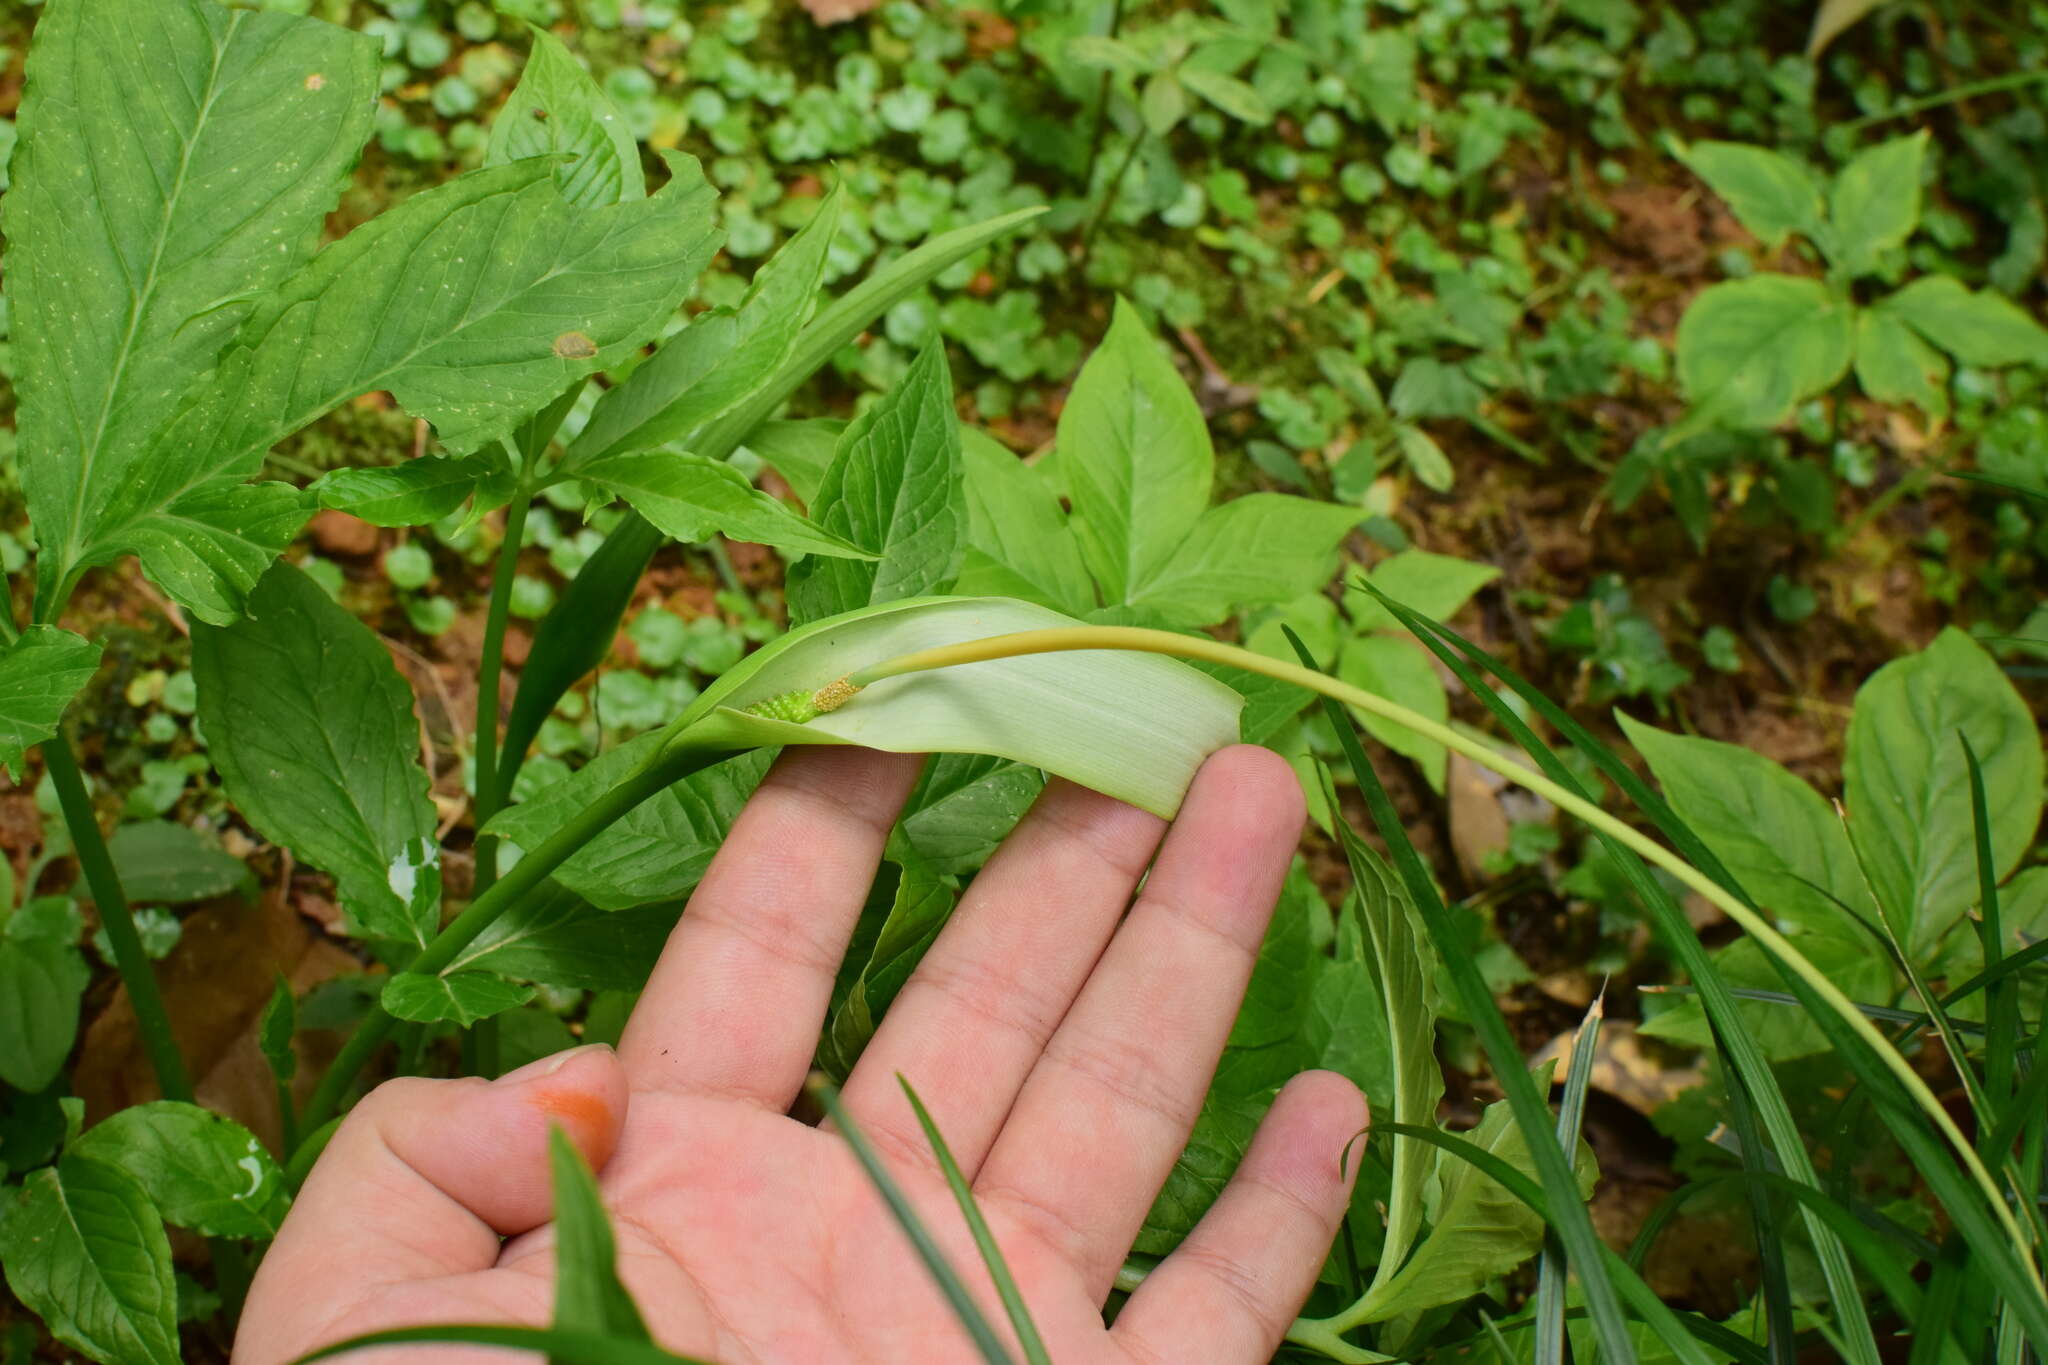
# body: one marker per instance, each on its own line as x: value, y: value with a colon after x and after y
x: 1133, y: 726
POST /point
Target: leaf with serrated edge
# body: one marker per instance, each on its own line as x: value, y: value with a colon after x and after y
x: 690, y: 498
x: 1018, y: 540
x: 312, y: 731
x: 456, y: 997
x: 1748, y: 350
x: 1773, y: 195
x: 41, y: 670
x: 557, y: 110
x: 411, y: 494
x: 202, y: 1171
x: 87, y: 1253
x: 173, y: 154
x: 1980, y: 328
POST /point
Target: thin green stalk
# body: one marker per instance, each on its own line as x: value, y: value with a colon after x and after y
x: 105, y: 884
x: 1757, y: 926
x: 1996, y: 85
x: 669, y: 767
x: 487, y: 800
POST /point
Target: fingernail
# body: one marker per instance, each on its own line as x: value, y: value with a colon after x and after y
x: 548, y: 1066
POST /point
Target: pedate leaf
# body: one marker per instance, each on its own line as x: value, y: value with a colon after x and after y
x: 313, y: 733
x: 414, y: 493
x: 690, y: 498
x: 1978, y: 327
x: 202, y: 1171
x: 1222, y: 1133
x: 1773, y: 195
x: 1748, y: 350
x: 1875, y: 202
x: 894, y: 490
x: 41, y: 983
x: 1907, y: 785
x: 1260, y: 548
x: 172, y: 152
x: 41, y: 670
x: 460, y: 998
x: 557, y: 111
x: 86, y: 1252
x: 1895, y: 366
x: 1437, y: 586
x: 1018, y: 541
x: 800, y: 451
x: 559, y: 939
x: 1398, y: 670
x: 964, y: 805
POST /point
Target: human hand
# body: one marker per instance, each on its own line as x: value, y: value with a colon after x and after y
x: 1062, y: 1046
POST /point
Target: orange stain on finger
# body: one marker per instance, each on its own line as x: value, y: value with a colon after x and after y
x: 586, y: 1116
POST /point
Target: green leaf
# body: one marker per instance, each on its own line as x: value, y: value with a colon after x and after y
x: 41, y: 983
x: 1399, y: 671
x: 1857, y: 965
x: 1748, y: 350
x: 274, y: 1030
x: 1267, y: 1043
x: 1875, y: 203
x: 1233, y: 96
x: 1163, y: 104
x: 557, y: 110
x: 690, y: 498
x: 312, y: 731
x: 800, y: 451
x: 1424, y: 457
x: 1980, y: 327
x: 588, y: 1294
x: 1436, y: 586
x: 557, y: 938
x: 86, y: 1252
x: 170, y: 156
x: 1260, y: 548
x: 1135, y: 453
x: 894, y: 489
x: 1018, y: 540
x: 202, y: 1171
x: 172, y: 864
x: 1895, y: 366
x: 922, y: 905
x: 1222, y: 1133
x: 1907, y: 785
x: 1482, y: 1230
x: 461, y: 998
x: 657, y: 851
x: 1773, y: 196
x: 964, y: 805
x: 492, y: 269
x: 41, y: 670
x: 671, y: 396
x: 415, y: 493
x: 1782, y: 841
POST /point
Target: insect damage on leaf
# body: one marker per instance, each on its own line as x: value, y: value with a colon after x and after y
x: 575, y: 346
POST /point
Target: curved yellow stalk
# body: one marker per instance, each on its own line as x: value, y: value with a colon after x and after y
x: 1213, y: 651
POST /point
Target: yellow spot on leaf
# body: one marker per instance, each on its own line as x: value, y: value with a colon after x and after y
x: 316, y: 81
x: 575, y: 346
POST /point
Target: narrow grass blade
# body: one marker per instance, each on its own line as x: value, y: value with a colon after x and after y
x: 571, y: 1348
x: 1749, y: 1069
x: 984, y: 1239
x: 588, y: 1294
x: 2001, y: 1000
x: 1573, y: 1225
x: 1571, y: 1114
x: 1883, y: 1013
x: 964, y: 1307
x: 2027, y: 958
x: 1937, y: 1313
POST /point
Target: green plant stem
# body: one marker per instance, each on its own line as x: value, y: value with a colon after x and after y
x: 1116, y: 22
x: 1194, y: 647
x: 1109, y: 194
x: 105, y: 884
x: 1996, y: 85
x: 671, y: 765
x: 487, y: 800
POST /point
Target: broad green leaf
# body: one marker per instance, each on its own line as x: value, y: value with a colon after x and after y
x: 964, y: 805
x: 690, y: 498
x: 1907, y: 785
x: 1433, y: 585
x: 86, y: 1252
x: 1018, y: 540
x: 557, y: 938
x: 557, y: 110
x: 1133, y: 726
x: 1782, y: 841
x: 177, y: 159
x: 588, y: 1294
x: 1748, y: 350
x: 172, y: 864
x: 312, y: 731
x: 492, y: 270
x: 1222, y: 1133
x: 274, y: 1030
x: 922, y: 904
x: 894, y: 489
x: 1773, y: 195
x: 1260, y: 548
x: 1163, y: 104
x: 1398, y: 670
x: 1784, y: 1032
x: 655, y: 852
x: 1105, y: 53
x: 1895, y: 366
x: 671, y: 397
x: 41, y: 670
x: 1978, y: 327
x: 1267, y: 1045
x: 1135, y: 453
x: 415, y: 493
x: 1875, y: 202
x: 801, y: 452
x: 460, y: 998
x: 1481, y: 1229
x: 202, y: 1171
x: 1233, y: 96
x: 1424, y: 457
x: 41, y: 983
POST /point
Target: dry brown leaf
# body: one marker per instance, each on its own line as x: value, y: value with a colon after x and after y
x: 1833, y: 18
x: 828, y: 12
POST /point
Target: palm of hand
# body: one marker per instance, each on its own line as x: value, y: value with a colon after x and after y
x: 1063, y: 1046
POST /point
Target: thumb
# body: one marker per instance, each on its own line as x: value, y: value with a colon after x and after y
x: 425, y: 1177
